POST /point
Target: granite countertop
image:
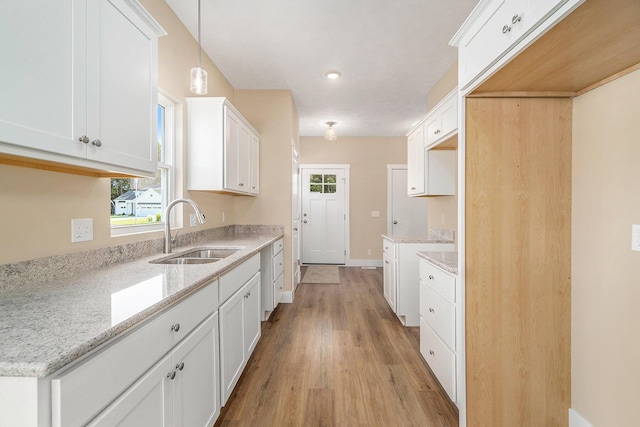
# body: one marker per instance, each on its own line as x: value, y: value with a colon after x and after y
x: 396, y: 238
x: 47, y: 324
x: 448, y: 261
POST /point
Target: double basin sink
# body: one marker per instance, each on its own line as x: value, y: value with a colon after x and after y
x: 204, y: 255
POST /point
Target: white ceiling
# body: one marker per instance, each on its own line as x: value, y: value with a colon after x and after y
x: 390, y: 54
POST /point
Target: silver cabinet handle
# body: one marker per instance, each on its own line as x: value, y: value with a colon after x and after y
x: 180, y: 366
x: 386, y: 262
x: 97, y: 142
x: 506, y: 29
x: 413, y: 188
x: 171, y: 375
x: 84, y: 139
x: 431, y: 310
x: 516, y: 18
x: 241, y: 184
x: 176, y: 327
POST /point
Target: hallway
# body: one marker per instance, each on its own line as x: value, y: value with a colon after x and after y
x: 338, y: 356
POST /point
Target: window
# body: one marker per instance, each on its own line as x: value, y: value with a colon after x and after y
x: 322, y: 183
x: 138, y: 204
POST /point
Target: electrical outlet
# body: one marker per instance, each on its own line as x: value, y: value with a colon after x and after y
x: 192, y: 220
x: 635, y: 237
x: 368, y: 251
x: 375, y: 214
x: 81, y: 230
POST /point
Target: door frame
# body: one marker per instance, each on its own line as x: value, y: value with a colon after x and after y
x: 347, y: 198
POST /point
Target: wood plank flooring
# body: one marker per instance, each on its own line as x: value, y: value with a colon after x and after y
x: 338, y: 356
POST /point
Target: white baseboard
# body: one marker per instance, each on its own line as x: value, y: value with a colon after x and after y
x: 287, y: 297
x: 364, y: 263
x: 576, y: 420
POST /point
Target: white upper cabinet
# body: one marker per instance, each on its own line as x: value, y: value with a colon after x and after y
x: 442, y: 121
x: 415, y: 161
x: 80, y: 84
x: 222, y: 149
x: 493, y: 28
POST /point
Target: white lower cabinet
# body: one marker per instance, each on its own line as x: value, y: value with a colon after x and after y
x: 180, y: 390
x: 438, y: 327
x: 271, y: 269
x: 240, y: 331
x: 401, y: 275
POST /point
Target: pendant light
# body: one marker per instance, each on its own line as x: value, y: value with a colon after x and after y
x: 330, y: 133
x: 198, y: 81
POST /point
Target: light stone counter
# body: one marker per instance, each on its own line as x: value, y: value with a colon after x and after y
x: 396, y: 238
x: 46, y: 324
x: 448, y: 261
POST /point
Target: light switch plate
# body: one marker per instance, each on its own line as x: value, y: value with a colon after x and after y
x: 375, y: 214
x: 635, y: 237
x: 81, y: 230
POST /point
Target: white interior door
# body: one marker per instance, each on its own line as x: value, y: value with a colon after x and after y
x: 407, y: 216
x: 295, y: 216
x: 323, y: 216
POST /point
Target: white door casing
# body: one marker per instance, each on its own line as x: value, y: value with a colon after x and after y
x: 324, y: 214
x: 406, y: 216
x: 295, y: 217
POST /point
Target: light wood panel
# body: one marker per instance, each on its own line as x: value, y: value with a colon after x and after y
x: 599, y: 39
x: 338, y: 356
x: 518, y: 261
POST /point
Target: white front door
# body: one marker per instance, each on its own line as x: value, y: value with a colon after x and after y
x: 407, y: 216
x: 323, y: 216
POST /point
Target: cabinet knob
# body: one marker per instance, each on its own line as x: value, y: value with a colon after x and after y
x: 180, y: 366
x: 97, y: 142
x: 295, y: 228
x: 241, y: 184
x: 516, y: 18
x: 431, y: 277
x: 171, y: 375
x: 431, y: 310
x: 395, y: 222
x: 386, y: 262
x: 84, y: 139
x: 305, y: 221
x: 413, y: 188
x: 431, y: 352
x: 506, y: 29
x: 176, y: 327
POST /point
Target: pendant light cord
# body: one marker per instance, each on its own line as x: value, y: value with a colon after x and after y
x: 199, y: 45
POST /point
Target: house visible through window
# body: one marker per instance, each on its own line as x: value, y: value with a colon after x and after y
x: 140, y: 202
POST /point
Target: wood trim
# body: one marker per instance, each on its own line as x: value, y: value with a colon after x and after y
x: 609, y: 79
x: 532, y: 94
x: 518, y: 261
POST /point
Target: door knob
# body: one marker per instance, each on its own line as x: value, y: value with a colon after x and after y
x: 395, y: 222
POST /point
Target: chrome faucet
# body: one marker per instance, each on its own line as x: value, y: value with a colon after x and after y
x: 167, y: 227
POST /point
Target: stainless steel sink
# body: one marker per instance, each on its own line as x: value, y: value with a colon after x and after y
x: 203, y: 255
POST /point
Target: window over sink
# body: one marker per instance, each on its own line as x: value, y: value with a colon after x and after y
x: 138, y: 204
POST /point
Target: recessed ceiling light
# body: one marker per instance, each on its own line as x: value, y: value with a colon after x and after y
x: 333, y: 74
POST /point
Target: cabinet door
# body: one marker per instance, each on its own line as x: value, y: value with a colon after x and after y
x: 251, y: 315
x: 121, y: 82
x: 43, y: 76
x: 389, y: 281
x: 537, y: 10
x: 244, y: 154
x: 197, y: 385
x: 147, y: 403
x: 278, y: 290
x: 486, y: 41
x: 449, y: 116
x: 232, y: 354
x: 432, y: 128
x: 415, y: 162
x: 254, y: 164
x: 231, y: 155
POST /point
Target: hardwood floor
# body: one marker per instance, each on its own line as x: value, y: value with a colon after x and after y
x: 338, y: 356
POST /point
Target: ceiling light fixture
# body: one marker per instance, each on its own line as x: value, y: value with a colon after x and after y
x: 330, y: 133
x: 198, y: 81
x: 333, y: 74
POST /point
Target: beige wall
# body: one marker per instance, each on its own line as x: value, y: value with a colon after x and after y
x: 443, y: 210
x: 273, y: 114
x: 368, y: 158
x: 38, y: 205
x: 605, y: 277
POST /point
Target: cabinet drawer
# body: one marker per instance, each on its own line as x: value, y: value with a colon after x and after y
x: 389, y: 248
x: 443, y: 283
x: 278, y: 264
x: 278, y: 245
x: 439, y: 313
x: 84, y: 389
x: 233, y: 280
x: 441, y: 360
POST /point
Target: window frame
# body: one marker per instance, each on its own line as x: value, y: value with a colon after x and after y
x: 170, y: 143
